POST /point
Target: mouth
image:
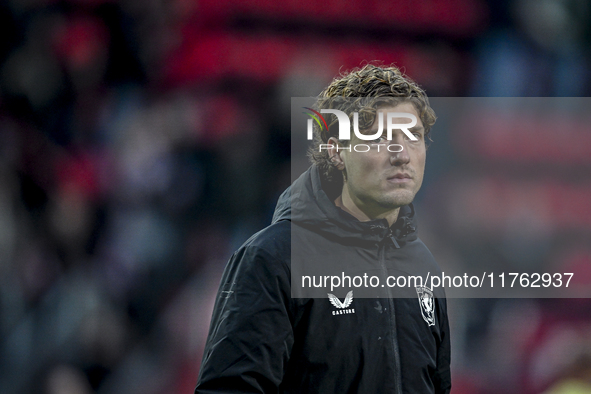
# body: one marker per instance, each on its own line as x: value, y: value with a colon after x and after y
x: 399, y: 178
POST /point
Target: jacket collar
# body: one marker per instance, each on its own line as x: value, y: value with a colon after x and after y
x: 306, y: 204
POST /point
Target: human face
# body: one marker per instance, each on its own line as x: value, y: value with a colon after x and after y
x: 379, y: 182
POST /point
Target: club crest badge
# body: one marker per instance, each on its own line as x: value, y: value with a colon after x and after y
x: 427, y: 304
x: 342, y: 307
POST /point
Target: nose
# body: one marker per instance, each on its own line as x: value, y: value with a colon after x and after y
x: 399, y: 158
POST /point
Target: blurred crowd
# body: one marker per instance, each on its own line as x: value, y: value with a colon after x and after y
x: 141, y: 142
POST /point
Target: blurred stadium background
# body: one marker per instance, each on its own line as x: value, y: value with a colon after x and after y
x: 141, y: 142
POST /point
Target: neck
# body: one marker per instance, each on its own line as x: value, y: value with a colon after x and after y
x: 362, y: 213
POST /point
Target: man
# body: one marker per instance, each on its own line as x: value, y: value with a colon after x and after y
x: 351, y: 212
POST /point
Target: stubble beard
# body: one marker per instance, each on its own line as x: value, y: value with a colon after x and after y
x: 397, y: 199
x: 385, y: 201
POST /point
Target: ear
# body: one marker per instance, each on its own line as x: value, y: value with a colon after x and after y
x: 335, y: 154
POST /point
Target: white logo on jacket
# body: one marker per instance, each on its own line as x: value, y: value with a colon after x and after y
x: 427, y: 304
x: 342, y: 306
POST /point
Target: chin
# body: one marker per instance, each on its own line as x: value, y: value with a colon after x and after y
x: 400, y: 198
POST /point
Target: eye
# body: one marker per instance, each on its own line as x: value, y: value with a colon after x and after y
x: 417, y: 135
x: 378, y: 140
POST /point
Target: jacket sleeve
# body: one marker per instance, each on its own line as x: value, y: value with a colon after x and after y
x: 250, y: 336
x: 443, y: 374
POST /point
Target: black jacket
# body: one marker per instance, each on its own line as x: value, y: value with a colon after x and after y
x: 263, y: 340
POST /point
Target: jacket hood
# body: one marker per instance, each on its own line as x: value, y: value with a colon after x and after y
x: 306, y: 204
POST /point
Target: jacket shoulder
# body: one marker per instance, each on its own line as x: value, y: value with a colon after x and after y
x: 421, y: 251
x: 267, y: 253
x: 274, y: 241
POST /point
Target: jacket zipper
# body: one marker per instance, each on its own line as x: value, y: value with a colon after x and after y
x: 392, y: 314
